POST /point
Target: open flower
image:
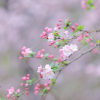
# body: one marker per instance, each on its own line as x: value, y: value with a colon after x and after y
x: 50, y: 37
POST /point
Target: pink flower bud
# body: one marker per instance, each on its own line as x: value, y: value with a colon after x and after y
x: 20, y: 57
x: 60, y: 20
x: 28, y: 75
x: 87, y: 40
x: 14, y: 98
x: 36, y: 92
x: 26, y: 89
x: 58, y: 24
x: 24, y: 78
x: 45, y: 84
x: 18, y: 91
x: 48, y: 88
x: 38, y: 85
x: 46, y: 28
x: 22, y: 84
x: 27, y: 78
x: 42, y: 55
x: 27, y: 92
x: 91, y: 44
x: 24, y: 48
x: 26, y: 85
x: 76, y: 24
x: 8, y: 96
x: 86, y: 35
x: 36, y: 88
x: 43, y: 50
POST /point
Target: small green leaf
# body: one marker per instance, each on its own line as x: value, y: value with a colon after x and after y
x: 55, y: 59
x: 98, y: 41
x: 45, y: 90
x: 51, y: 64
x: 46, y: 55
x: 65, y: 28
x: 41, y: 93
x: 80, y: 27
x: 54, y: 68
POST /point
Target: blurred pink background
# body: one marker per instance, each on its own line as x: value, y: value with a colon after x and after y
x: 21, y: 23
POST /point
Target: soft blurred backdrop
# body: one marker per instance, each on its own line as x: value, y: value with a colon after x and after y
x: 21, y: 23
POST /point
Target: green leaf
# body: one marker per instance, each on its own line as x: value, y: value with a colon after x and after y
x: 80, y: 27
x: 54, y: 68
x: 55, y: 59
x: 92, y: 6
x: 51, y: 64
x: 66, y: 20
x: 66, y: 62
x: 56, y: 64
x: 53, y: 81
x: 65, y: 28
x: 73, y: 34
x: 41, y: 93
x: 98, y: 41
x: 45, y: 90
x: 46, y: 55
x: 33, y: 79
x: 18, y: 94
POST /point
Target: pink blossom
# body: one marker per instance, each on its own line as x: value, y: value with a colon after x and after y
x: 28, y: 75
x: 11, y: 91
x: 50, y: 37
x: 40, y: 69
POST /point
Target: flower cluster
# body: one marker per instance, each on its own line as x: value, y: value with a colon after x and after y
x: 26, y: 52
x: 40, y: 89
x: 47, y: 72
x: 68, y: 50
x: 12, y: 93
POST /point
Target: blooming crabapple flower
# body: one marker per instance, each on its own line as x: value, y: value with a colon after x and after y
x: 36, y: 92
x: 55, y: 29
x: 74, y: 47
x: 39, y: 69
x: 50, y: 74
x: 50, y: 37
x: 11, y: 91
x: 67, y: 51
x: 83, y: 4
x: 66, y: 33
x: 47, y: 68
x: 26, y: 52
x: 44, y: 74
